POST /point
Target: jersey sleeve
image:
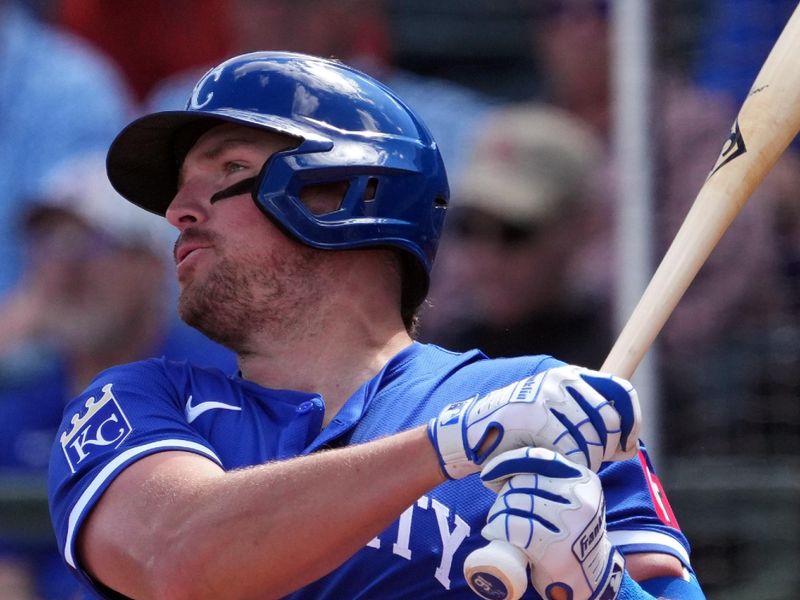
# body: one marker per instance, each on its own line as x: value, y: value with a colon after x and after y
x: 125, y: 414
x: 639, y: 515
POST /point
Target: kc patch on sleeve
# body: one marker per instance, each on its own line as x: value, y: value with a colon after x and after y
x: 103, y: 424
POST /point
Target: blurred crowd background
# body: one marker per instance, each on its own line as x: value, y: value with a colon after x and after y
x: 518, y: 93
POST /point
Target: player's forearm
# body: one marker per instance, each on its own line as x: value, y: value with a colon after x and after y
x: 327, y: 507
x: 267, y: 530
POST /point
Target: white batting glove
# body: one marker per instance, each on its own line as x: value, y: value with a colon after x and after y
x: 555, y: 512
x: 587, y: 416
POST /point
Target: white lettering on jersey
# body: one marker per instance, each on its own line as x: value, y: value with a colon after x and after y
x: 451, y: 540
x: 99, y: 438
x: 103, y: 424
x: 400, y: 547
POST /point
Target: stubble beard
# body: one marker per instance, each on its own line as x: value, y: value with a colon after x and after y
x: 240, y: 299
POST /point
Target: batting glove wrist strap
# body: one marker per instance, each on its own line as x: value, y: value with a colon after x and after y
x: 609, y: 586
x: 446, y: 433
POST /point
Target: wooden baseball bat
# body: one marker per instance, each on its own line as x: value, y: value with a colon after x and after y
x: 768, y: 121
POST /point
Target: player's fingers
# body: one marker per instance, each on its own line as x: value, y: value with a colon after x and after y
x: 518, y: 514
x: 622, y: 397
x: 588, y: 430
x: 581, y: 421
x: 609, y: 429
x: 526, y: 461
x: 538, y: 486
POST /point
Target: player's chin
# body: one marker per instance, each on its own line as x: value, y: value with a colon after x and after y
x: 190, y: 275
x: 190, y: 295
x: 190, y: 288
x: 186, y: 280
x: 190, y: 307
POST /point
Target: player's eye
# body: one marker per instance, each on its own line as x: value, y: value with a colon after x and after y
x: 234, y: 167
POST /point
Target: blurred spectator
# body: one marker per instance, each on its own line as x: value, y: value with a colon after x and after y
x: 519, y: 215
x: 94, y: 293
x: 358, y: 33
x: 57, y: 98
x: 150, y: 39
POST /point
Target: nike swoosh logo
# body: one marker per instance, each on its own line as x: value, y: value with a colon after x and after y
x: 194, y: 411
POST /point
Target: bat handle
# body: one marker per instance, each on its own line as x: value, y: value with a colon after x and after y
x: 498, y: 571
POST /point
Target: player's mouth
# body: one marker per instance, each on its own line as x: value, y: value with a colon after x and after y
x: 190, y: 246
x: 184, y: 251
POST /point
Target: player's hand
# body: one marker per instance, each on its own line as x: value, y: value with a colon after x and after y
x: 554, y: 511
x: 588, y: 417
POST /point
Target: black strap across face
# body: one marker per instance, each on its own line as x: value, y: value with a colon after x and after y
x: 245, y: 186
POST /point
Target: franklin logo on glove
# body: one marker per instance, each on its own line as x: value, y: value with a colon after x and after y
x: 592, y: 535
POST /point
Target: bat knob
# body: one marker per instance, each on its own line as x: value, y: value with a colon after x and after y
x: 498, y: 571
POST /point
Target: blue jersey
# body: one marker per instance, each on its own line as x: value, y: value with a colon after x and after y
x: 138, y: 409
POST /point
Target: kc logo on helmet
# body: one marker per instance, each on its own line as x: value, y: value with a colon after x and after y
x: 103, y: 424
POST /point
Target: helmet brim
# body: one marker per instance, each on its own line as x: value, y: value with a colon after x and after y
x: 143, y: 161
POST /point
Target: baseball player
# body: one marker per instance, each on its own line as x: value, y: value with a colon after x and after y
x: 341, y: 460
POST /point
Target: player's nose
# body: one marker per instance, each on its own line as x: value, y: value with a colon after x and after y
x: 191, y: 204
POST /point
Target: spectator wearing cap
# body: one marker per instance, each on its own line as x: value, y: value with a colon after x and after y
x: 519, y: 213
x: 94, y: 292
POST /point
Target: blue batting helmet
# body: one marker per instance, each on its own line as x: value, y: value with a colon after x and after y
x: 351, y: 129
